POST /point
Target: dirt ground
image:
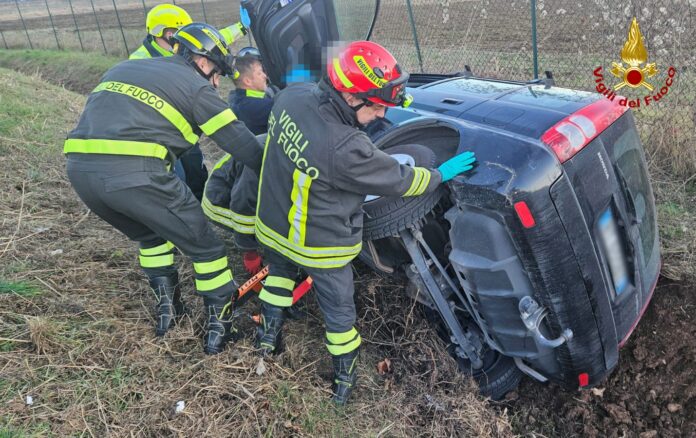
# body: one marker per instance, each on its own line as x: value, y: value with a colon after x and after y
x: 652, y: 393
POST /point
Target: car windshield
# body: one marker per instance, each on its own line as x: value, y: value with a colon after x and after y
x: 354, y: 18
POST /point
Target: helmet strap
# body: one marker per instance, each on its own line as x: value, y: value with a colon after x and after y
x: 193, y: 64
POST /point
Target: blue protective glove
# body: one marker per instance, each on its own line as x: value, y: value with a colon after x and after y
x: 456, y: 165
x: 244, y: 17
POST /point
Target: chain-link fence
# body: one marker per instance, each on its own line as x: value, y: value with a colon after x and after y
x: 504, y: 39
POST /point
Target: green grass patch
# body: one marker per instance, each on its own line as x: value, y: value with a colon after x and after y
x: 76, y: 71
x: 21, y: 288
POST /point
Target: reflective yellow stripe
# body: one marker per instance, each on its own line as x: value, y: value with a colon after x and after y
x: 210, y: 267
x: 222, y: 161
x: 255, y: 93
x: 341, y: 75
x: 114, y: 147
x: 228, y: 218
x: 341, y: 338
x: 188, y: 37
x: 274, y: 299
x: 157, y: 250
x: 220, y: 45
x: 280, y: 282
x: 297, y: 216
x: 216, y: 122
x: 153, y: 101
x: 157, y: 261
x: 421, y: 179
x: 337, y: 350
x: 214, y: 283
x: 315, y: 257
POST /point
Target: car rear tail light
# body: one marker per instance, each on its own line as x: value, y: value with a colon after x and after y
x: 524, y: 214
x: 567, y: 137
x: 583, y: 379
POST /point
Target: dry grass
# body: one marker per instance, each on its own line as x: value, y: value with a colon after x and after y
x: 76, y: 332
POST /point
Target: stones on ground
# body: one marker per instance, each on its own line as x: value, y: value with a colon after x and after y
x: 674, y: 407
x: 260, y: 367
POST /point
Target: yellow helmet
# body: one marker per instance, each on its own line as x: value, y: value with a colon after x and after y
x: 166, y: 16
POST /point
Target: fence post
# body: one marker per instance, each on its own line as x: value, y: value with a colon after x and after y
x: 144, y: 7
x: 120, y: 26
x: 94, y: 11
x: 4, y: 41
x: 77, y: 28
x: 534, y: 41
x: 415, y: 34
x: 24, y: 25
x: 205, y: 17
x: 50, y: 18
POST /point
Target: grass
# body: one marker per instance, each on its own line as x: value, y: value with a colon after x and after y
x: 20, y: 288
x: 84, y: 350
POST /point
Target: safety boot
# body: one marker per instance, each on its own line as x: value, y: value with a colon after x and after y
x: 269, y: 332
x: 169, y: 305
x: 345, y: 375
x: 219, y: 329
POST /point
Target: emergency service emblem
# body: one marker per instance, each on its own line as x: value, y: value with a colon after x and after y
x: 634, y: 72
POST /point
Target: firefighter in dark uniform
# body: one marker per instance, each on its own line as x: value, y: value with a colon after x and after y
x: 230, y: 193
x: 161, y: 23
x: 137, y: 121
x: 318, y: 167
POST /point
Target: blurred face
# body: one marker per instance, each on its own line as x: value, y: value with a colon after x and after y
x: 255, y: 78
x: 366, y: 114
x: 166, y: 39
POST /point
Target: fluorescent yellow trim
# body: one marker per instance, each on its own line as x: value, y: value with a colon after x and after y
x: 157, y: 250
x: 341, y: 338
x: 220, y: 45
x: 114, y: 147
x: 297, y: 216
x: 210, y: 267
x: 368, y: 72
x: 153, y: 101
x: 341, y: 75
x: 255, y: 93
x: 188, y: 37
x: 214, y: 283
x: 218, y: 121
x: 337, y: 350
x: 280, y: 282
x: 157, y: 261
x: 274, y: 299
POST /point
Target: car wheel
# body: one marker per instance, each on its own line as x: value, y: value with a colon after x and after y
x: 386, y: 216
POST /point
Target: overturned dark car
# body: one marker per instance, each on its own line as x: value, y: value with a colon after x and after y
x: 540, y: 261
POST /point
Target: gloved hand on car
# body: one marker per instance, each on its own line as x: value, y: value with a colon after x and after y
x: 456, y: 165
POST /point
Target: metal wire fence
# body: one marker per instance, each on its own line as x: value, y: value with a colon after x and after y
x: 505, y: 39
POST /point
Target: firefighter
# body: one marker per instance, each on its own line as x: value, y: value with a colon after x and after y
x: 229, y: 199
x: 137, y: 121
x: 161, y: 23
x: 317, y: 168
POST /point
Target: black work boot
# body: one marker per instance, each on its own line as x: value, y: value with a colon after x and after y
x: 169, y: 305
x: 269, y: 332
x: 345, y: 375
x: 219, y: 329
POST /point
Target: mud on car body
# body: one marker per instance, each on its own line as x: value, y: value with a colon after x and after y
x: 541, y: 260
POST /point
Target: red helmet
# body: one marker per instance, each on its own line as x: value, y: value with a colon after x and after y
x: 368, y: 71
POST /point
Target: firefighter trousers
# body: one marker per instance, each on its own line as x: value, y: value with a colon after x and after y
x: 150, y: 205
x: 334, y: 289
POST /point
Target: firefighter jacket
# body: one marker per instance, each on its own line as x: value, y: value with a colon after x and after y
x: 149, y: 49
x: 252, y: 107
x: 317, y: 169
x: 158, y: 108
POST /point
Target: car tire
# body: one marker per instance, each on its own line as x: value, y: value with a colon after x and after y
x: 386, y: 216
x: 497, y: 378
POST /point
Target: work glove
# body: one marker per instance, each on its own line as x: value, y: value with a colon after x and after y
x: 456, y: 165
x: 244, y: 17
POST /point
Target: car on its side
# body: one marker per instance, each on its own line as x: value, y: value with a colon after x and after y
x: 540, y: 261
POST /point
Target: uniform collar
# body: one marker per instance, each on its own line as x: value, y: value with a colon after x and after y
x: 154, y: 49
x: 341, y: 107
x: 250, y: 93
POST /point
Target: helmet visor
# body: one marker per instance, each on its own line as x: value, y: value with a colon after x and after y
x: 393, y: 92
